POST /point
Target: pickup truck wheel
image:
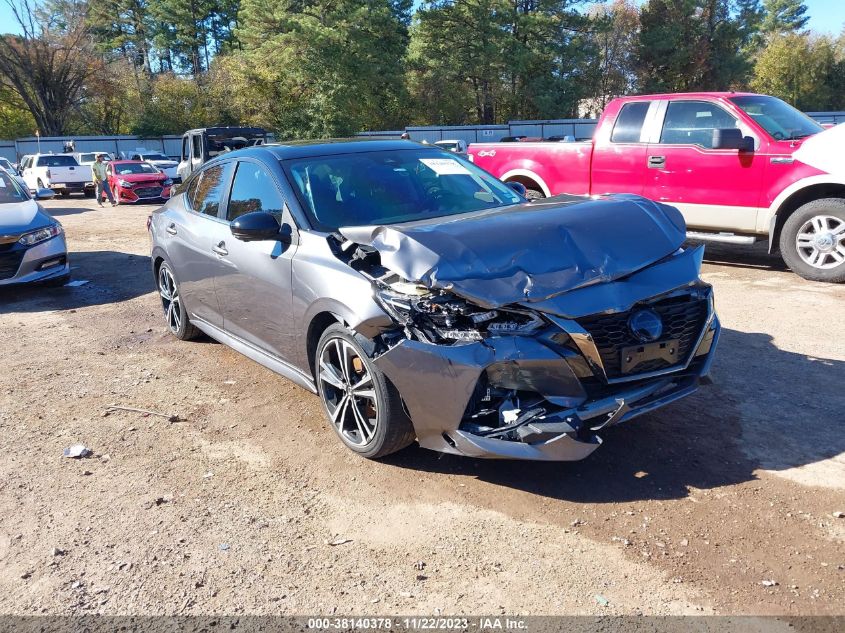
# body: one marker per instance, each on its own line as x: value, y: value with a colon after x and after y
x: 812, y: 241
x: 65, y: 193
x: 363, y: 408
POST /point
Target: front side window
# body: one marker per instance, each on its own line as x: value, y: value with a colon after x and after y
x: 629, y: 123
x: 392, y: 186
x: 779, y: 119
x: 197, y: 143
x: 185, y: 148
x: 206, y: 191
x: 693, y: 122
x: 253, y: 190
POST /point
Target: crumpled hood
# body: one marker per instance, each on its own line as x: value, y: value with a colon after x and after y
x: 528, y: 252
x: 20, y: 217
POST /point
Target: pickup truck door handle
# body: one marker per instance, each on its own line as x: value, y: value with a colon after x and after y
x: 656, y: 162
x: 220, y: 249
x: 171, y: 228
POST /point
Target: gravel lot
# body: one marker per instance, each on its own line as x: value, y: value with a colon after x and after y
x: 252, y: 506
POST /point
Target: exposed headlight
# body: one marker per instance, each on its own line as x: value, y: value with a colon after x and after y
x: 41, y: 235
x: 167, y: 182
x: 125, y: 183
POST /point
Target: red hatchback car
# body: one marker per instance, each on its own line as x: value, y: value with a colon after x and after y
x: 137, y: 181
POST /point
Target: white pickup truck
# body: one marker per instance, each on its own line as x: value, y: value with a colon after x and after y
x: 59, y: 172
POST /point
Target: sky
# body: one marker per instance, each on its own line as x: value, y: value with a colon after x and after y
x: 826, y: 16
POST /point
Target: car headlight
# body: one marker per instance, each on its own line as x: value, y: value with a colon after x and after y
x: 41, y: 235
x: 124, y: 183
x: 167, y: 182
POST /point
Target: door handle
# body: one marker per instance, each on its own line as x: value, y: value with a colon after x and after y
x: 220, y: 249
x: 656, y: 162
x: 171, y: 228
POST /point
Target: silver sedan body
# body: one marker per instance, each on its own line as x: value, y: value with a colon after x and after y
x: 515, y: 330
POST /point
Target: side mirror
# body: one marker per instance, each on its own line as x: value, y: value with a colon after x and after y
x: 518, y: 187
x: 732, y: 138
x: 44, y: 194
x: 258, y: 226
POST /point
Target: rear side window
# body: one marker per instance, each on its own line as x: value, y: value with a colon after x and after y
x: 253, y: 190
x: 185, y: 148
x: 629, y: 123
x: 57, y: 161
x: 206, y: 191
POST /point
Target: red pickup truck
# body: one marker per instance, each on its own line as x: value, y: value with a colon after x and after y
x: 727, y: 160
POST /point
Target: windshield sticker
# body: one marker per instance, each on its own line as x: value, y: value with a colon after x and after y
x: 445, y: 166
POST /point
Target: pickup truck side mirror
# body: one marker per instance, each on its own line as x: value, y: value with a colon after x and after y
x: 732, y: 138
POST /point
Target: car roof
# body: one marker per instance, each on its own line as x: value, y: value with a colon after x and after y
x: 325, y: 147
x: 124, y: 161
x: 690, y: 95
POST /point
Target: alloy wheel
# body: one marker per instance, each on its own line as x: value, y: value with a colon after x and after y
x: 348, y: 392
x: 821, y: 242
x: 170, y: 299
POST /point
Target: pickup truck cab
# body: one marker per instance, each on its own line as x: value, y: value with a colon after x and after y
x: 59, y: 172
x: 725, y: 160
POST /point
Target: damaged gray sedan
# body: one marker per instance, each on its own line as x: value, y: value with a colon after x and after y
x: 423, y: 299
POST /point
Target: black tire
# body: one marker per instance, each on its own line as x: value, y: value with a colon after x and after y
x: 533, y: 194
x: 827, y: 213
x: 89, y: 193
x: 392, y: 430
x: 176, y: 318
x: 65, y: 193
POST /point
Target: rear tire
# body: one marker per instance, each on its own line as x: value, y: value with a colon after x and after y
x: 175, y: 312
x: 812, y: 241
x: 363, y: 407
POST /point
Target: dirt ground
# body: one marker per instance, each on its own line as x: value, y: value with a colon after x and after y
x: 252, y: 506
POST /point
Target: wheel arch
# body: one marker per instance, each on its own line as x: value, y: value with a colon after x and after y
x: 794, y: 198
x: 527, y: 178
x: 319, y: 323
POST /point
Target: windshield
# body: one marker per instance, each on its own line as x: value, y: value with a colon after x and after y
x: 447, y: 145
x: 392, y: 186
x: 779, y: 119
x: 57, y: 161
x: 155, y: 157
x: 5, y: 164
x: 10, y: 191
x: 124, y: 169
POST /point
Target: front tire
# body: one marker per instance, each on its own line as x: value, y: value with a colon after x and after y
x: 812, y: 242
x: 175, y: 313
x: 363, y: 408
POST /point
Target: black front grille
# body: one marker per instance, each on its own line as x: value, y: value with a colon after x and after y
x: 148, y: 192
x: 10, y: 261
x: 683, y: 319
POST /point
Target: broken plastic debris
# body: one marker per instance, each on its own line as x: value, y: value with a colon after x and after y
x: 224, y: 547
x: 601, y: 600
x: 77, y: 451
x: 76, y: 283
x: 769, y: 583
x: 340, y: 541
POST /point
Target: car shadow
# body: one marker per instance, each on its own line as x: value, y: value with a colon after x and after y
x: 58, y: 212
x: 768, y: 408
x: 112, y: 276
x: 737, y: 256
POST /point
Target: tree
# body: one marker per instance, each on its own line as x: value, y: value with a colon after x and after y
x: 616, y: 30
x: 48, y: 64
x: 784, y: 16
x: 694, y: 45
x: 15, y: 119
x: 802, y: 69
x: 317, y: 68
